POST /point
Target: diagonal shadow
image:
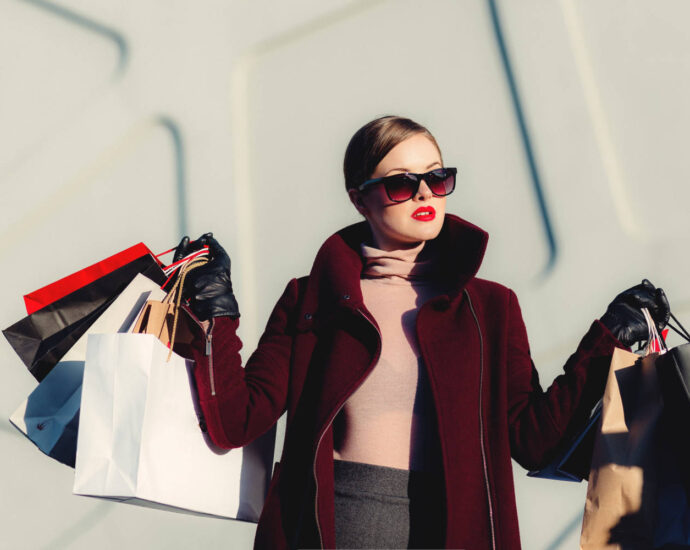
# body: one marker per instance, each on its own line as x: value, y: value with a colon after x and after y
x: 526, y: 141
x: 89, y: 25
x: 180, y: 172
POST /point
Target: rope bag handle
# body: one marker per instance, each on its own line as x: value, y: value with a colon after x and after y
x: 174, y: 296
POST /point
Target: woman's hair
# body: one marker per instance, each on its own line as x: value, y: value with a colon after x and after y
x: 372, y: 142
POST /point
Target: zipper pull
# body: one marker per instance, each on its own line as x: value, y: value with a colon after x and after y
x: 208, y: 344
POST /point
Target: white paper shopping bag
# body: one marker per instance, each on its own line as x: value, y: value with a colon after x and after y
x: 50, y: 415
x: 140, y: 438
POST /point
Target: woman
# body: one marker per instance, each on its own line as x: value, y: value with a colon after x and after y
x: 407, y: 380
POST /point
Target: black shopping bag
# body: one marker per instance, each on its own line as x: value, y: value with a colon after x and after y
x: 673, y: 371
x: 42, y: 338
x: 573, y: 460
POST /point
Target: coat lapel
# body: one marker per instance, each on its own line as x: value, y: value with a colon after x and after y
x: 334, y: 307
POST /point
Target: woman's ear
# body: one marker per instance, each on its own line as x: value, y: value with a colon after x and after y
x: 357, y: 199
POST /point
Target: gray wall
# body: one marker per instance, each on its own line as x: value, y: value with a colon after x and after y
x: 129, y: 121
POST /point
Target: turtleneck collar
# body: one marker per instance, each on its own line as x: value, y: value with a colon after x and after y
x: 338, y: 265
x: 404, y: 264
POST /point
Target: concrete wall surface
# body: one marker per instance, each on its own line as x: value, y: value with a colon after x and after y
x: 123, y: 122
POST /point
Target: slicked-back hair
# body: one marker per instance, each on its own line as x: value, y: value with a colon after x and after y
x: 373, y: 141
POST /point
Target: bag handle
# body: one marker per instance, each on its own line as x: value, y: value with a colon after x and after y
x: 171, y: 269
x: 655, y: 343
x: 173, y: 249
x: 680, y: 330
x: 174, y: 297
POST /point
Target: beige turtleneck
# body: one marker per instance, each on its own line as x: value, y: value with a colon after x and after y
x: 390, y: 419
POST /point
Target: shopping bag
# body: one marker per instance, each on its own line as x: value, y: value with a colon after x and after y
x: 673, y: 370
x: 673, y: 512
x: 165, y: 319
x: 620, y: 506
x: 50, y: 293
x: 621, y: 493
x: 50, y: 415
x: 42, y: 338
x: 672, y: 520
x: 573, y: 461
x: 140, y: 440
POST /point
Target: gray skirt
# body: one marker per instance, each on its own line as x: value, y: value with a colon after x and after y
x: 380, y: 507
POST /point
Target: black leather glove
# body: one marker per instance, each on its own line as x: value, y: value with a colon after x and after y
x: 208, y: 287
x: 186, y: 247
x: 624, y: 317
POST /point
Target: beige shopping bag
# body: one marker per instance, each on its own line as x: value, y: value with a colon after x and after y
x: 621, y: 494
x: 165, y: 319
x: 158, y: 318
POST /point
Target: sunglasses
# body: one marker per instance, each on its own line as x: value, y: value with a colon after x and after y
x: 402, y: 187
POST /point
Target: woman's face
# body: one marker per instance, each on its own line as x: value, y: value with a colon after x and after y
x: 397, y: 225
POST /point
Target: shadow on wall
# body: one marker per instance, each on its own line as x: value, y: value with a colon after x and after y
x: 92, y: 26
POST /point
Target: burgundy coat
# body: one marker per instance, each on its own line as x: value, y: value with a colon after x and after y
x: 319, y: 345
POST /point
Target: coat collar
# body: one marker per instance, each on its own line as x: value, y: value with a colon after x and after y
x: 335, y: 274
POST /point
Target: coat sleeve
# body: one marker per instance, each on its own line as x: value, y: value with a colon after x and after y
x: 239, y: 404
x: 539, y: 420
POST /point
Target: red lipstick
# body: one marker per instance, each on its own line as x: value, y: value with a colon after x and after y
x: 424, y: 214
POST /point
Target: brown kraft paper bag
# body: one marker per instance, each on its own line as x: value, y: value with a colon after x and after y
x: 166, y: 320
x: 621, y: 495
x: 158, y: 318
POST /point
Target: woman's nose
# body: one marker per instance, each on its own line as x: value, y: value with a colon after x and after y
x: 423, y: 191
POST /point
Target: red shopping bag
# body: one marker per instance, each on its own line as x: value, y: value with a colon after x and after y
x: 61, y: 288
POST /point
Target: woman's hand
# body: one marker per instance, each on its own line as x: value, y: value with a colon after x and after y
x: 208, y: 287
x: 624, y: 317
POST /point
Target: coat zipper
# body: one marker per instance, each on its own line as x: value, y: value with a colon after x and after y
x: 481, y: 421
x: 208, y: 350
x: 209, y: 354
x: 323, y: 432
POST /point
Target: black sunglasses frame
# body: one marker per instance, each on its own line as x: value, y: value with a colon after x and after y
x: 420, y: 177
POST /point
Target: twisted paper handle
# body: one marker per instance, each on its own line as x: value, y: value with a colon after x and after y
x: 175, y: 295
